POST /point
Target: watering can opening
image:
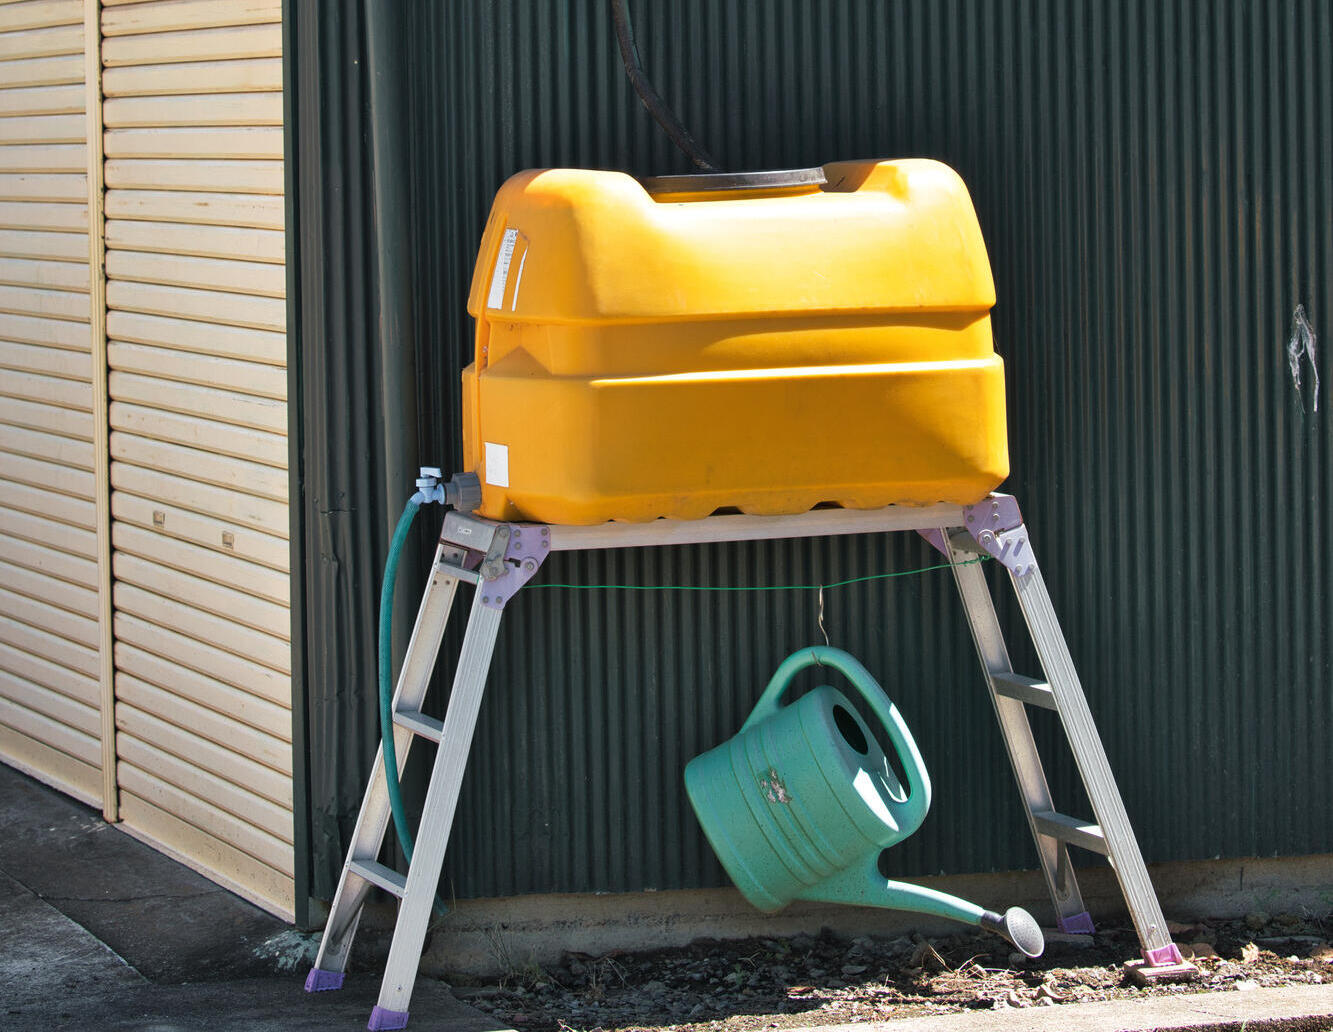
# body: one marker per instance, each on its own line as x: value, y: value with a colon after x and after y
x: 851, y: 731
x: 883, y: 774
x: 875, y: 772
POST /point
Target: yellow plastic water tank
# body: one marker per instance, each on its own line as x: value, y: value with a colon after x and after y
x: 674, y: 353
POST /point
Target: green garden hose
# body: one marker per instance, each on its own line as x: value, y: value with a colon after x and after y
x: 462, y: 492
x: 386, y: 676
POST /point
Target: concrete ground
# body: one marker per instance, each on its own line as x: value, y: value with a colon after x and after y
x: 1307, y: 1008
x: 98, y: 931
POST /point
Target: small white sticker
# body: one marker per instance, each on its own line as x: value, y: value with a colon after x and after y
x: 497, y: 464
x: 500, y: 275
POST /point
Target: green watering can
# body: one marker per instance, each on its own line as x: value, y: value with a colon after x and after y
x: 802, y: 801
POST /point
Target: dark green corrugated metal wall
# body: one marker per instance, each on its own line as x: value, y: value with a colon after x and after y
x: 1155, y: 183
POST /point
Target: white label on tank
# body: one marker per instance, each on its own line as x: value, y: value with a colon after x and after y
x: 497, y: 464
x: 500, y: 275
x: 518, y: 280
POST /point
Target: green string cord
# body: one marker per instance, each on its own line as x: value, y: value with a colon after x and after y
x: 767, y: 587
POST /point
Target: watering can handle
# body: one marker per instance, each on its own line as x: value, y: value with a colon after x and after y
x: 912, y: 811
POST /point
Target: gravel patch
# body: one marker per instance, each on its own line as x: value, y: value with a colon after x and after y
x: 805, y: 980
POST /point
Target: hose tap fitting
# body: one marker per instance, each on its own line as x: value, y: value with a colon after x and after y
x: 462, y: 492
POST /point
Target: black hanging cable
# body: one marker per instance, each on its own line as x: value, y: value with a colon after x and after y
x: 652, y: 100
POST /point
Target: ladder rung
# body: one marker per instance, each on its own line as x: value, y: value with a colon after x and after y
x: 377, y: 874
x: 420, y: 724
x: 1024, y: 689
x: 467, y: 576
x: 1072, y: 830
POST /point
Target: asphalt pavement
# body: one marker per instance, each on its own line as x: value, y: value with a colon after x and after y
x: 99, y: 931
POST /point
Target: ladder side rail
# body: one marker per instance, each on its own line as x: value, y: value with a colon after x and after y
x: 460, y: 721
x: 1071, y: 914
x: 1094, y: 767
x: 372, y: 822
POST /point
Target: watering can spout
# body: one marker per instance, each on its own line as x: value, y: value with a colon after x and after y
x: 863, y: 885
x: 1019, y: 927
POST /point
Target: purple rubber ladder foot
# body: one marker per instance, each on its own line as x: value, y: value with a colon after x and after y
x: 1160, y: 965
x: 321, y: 981
x: 1164, y: 956
x: 1079, y: 924
x: 382, y: 1020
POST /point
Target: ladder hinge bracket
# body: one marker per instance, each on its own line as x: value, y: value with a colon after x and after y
x: 994, y: 526
x: 935, y: 538
x: 505, y: 555
x: 526, y: 547
x: 1011, y: 548
x: 493, y: 562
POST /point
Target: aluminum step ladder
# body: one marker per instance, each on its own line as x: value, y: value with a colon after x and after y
x: 499, y: 558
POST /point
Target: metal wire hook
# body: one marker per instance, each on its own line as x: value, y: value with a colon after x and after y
x: 822, y: 629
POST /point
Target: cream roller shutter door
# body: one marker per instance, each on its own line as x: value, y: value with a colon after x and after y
x: 196, y: 351
x: 50, y: 712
